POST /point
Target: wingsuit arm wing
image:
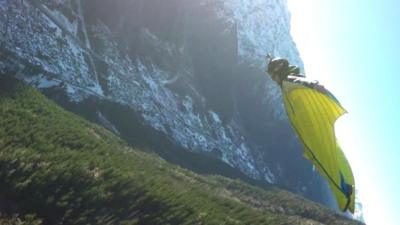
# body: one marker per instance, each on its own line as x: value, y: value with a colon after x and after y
x: 313, y: 114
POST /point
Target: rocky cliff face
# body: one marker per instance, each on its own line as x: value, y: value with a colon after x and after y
x: 189, y: 72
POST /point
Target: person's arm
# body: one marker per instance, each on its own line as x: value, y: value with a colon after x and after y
x: 307, y: 83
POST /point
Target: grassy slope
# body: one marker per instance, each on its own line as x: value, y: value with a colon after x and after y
x: 65, y: 170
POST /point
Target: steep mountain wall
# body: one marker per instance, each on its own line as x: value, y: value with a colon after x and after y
x: 191, y: 72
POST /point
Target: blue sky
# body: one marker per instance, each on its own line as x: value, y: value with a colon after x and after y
x: 353, y: 48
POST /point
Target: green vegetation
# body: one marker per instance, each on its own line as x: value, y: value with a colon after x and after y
x: 57, y: 168
x: 16, y: 220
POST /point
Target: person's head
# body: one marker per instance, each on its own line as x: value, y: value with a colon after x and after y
x: 277, y: 68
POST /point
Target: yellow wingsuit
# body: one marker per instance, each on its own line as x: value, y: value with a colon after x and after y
x: 313, y: 113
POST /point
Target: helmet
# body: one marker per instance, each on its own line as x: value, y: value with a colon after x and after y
x: 278, y: 66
